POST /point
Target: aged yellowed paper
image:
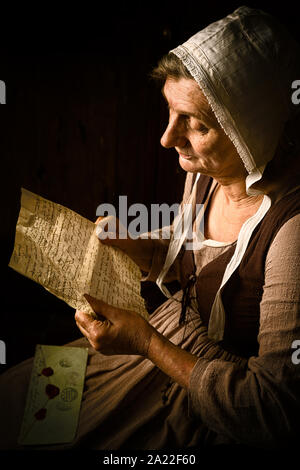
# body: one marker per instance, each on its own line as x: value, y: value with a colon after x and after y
x: 59, y: 249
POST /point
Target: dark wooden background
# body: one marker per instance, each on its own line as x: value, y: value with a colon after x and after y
x: 82, y: 126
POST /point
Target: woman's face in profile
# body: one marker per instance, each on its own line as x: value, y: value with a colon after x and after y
x: 196, y: 135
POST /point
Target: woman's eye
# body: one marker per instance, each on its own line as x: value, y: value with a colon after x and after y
x: 198, y: 126
x: 203, y: 129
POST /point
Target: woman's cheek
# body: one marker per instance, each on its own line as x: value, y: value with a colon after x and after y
x: 206, y: 146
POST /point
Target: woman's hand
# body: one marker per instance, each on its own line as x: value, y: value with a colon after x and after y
x: 118, y: 331
x: 115, y: 331
x: 139, y: 250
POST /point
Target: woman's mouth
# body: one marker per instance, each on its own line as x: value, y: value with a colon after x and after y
x: 185, y: 157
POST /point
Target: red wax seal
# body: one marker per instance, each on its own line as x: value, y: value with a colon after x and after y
x: 51, y: 390
x: 41, y: 414
x: 47, y: 371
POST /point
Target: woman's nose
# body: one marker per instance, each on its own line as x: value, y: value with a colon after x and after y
x: 173, y: 136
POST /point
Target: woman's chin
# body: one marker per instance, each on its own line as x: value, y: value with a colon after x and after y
x: 187, y: 164
x: 190, y: 164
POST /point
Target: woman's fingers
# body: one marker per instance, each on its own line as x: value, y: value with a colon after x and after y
x: 121, y: 332
x: 94, y: 330
x: 111, y: 232
x: 82, y: 329
x: 102, y: 309
x: 109, y: 229
x: 84, y: 319
x: 99, y: 220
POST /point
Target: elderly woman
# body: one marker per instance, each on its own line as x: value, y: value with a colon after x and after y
x: 214, y: 363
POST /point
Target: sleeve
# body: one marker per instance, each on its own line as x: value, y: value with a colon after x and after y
x: 160, y: 247
x: 258, y: 405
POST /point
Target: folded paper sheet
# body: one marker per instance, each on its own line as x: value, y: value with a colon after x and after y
x: 59, y: 249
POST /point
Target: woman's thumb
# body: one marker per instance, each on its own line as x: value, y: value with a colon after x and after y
x: 101, y: 308
x: 110, y: 228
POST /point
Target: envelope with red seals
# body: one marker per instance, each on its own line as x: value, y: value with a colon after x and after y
x: 54, y: 395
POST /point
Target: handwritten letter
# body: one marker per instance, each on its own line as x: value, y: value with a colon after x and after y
x: 60, y: 250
